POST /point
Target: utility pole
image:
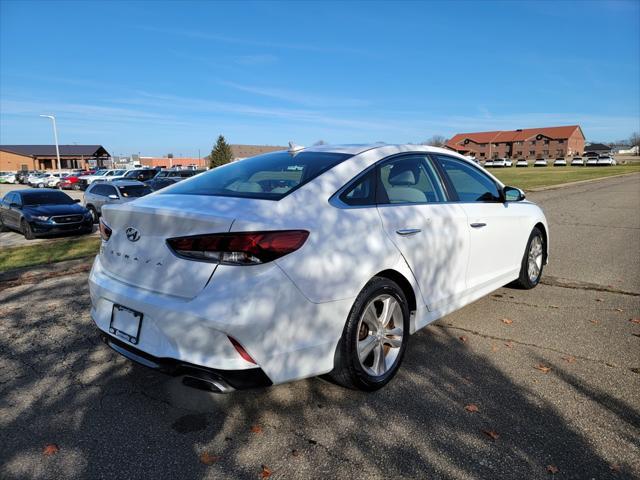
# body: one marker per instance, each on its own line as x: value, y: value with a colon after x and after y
x: 55, y: 136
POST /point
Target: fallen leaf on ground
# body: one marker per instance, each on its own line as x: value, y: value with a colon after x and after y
x: 618, y: 310
x: 494, y: 348
x: 542, y: 368
x: 552, y: 469
x: 599, y: 300
x: 492, y: 434
x: 569, y: 359
x: 497, y: 295
x: 635, y: 320
x: 614, y: 468
x: 509, y: 344
x: 256, y: 429
x: 50, y: 449
x: 472, y: 407
x: 507, y: 321
x: 595, y: 322
x: 208, y: 459
x: 266, y: 472
x: 554, y: 306
x: 295, y: 452
x: 463, y: 339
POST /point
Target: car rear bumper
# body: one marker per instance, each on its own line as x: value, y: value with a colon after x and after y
x: 288, y: 336
x: 219, y: 381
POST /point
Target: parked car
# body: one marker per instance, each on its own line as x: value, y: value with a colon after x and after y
x: 540, y: 162
x: 99, y: 175
x: 592, y: 161
x: 8, y: 177
x: 140, y: 174
x: 560, y: 162
x: 55, y: 178
x: 606, y: 161
x: 522, y: 163
x: 44, y: 212
x: 99, y: 194
x: 160, y: 183
x: 34, y: 179
x: 212, y: 279
x: 178, y: 173
x: 488, y: 163
x: 70, y: 182
x: 577, y: 162
x: 500, y: 163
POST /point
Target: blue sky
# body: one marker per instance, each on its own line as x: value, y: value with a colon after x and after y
x: 168, y: 77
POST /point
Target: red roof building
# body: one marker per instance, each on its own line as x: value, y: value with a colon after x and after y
x: 547, y: 142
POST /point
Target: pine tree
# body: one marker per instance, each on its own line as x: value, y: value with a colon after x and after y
x: 221, y: 153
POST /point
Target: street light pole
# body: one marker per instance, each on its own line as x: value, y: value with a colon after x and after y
x: 55, y: 136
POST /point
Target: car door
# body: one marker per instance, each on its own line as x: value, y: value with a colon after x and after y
x: 496, y: 228
x: 110, y: 191
x: 5, y: 209
x: 12, y: 213
x: 430, y: 232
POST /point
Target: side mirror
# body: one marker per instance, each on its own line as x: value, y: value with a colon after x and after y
x: 14, y: 205
x: 77, y: 200
x: 512, y: 194
x: 113, y: 196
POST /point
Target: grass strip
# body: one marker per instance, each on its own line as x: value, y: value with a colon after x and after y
x: 49, y: 252
x: 531, y: 177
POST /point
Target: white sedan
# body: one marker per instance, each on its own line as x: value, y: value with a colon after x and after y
x: 299, y: 263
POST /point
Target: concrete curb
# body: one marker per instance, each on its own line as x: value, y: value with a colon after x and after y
x: 578, y: 182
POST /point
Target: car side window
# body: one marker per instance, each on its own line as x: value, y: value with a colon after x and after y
x: 362, y: 191
x: 110, y: 190
x: 470, y: 184
x: 409, y: 179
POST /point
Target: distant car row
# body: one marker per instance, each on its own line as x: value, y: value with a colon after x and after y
x: 80, y: 180
x: 602, y: 160
x: 47, y: 211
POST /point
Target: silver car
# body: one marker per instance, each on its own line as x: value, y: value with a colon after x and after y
x: 117, y: 191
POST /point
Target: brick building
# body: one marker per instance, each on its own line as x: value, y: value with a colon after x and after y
x: 238, y: 151
x: 528, y: 143
x: 43, y: 157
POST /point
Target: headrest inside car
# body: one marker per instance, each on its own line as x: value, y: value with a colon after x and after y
x: 402, y: 175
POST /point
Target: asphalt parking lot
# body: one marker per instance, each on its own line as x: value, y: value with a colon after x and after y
x: 553, y: 375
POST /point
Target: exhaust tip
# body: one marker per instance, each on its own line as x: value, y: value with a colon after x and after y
x: 207, y: 385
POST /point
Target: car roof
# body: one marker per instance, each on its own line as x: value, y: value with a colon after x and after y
x: 125, y: 183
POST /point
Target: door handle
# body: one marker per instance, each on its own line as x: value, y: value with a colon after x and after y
x: 478, y: 225
x: 407, y: 232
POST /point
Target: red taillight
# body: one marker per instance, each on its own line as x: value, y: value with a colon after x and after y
x: 105, y: 231
x: 240, y: 349
x: 242, y: 248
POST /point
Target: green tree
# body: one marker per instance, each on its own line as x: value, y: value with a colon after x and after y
x: 221, y: 153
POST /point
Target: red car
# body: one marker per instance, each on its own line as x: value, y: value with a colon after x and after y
x: 71, y: 182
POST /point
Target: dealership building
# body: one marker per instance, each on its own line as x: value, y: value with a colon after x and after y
x: 526, y: 143
x: 43, y: 157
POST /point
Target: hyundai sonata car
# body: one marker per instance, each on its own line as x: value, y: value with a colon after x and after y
x: 306, y: 262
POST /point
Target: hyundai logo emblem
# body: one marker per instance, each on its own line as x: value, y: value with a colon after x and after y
x: 133, y: 235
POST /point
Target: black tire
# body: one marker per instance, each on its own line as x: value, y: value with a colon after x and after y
x: 75, y: 186
x: 3, y: 228
x: 348, y: 370
x: 26, y: 230
x: 524, y: 280
x: 94, y: 214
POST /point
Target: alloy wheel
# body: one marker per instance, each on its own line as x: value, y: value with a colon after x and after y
x: 534, y: 265
x: 380, y: 332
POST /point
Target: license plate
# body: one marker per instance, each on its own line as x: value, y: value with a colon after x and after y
x: 125, y: 323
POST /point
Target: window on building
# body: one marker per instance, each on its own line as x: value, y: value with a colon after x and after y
x: 546, y: 142
x: 560, y: 141
x: 532, y: 153
x: 533, y: 142
x: 545, y: 152
x: 519, y: 153
x: 481, y: 154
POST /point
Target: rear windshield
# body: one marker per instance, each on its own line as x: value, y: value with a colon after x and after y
x: 270, y: 176
x: 129, y: 191
x: 46, y: 198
